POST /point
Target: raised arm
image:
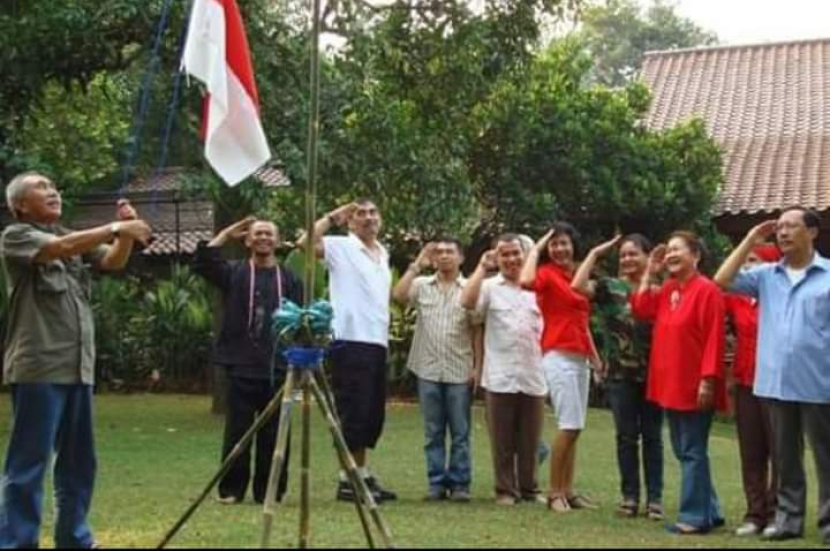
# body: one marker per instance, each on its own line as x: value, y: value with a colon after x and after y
x: 644, y: 300
x: 528, y: 275
x: 732, y: 265
x: 401, y: 291
x: 335, y: 218
x: 582, y: 279
x: 472, y: 290
x: 82, y: 242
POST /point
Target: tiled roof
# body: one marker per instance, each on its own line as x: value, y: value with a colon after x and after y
x: 168, y: 180
x: 767, y: 105
x: 165, y: 242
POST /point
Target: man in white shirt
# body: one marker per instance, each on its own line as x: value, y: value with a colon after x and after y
x: 512, y: 373
x: 359, y: 286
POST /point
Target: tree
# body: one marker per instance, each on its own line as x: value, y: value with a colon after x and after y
x: 618, y: 34
x: 551, y: 147
x: 45, y: 43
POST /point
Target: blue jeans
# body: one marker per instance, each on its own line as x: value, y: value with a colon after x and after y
x: 636, y: 418
x: 48, y: 417
x: 699, y: 505
x: 446, y: 406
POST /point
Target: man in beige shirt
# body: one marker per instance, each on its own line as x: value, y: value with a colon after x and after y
x: 443, y: 358
x: 512, y: 373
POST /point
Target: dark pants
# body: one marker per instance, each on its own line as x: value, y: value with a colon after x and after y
x: 756, y: 444
x: 48, y: 418
x: 636, y: 418
x: 790, y: 421
x: 358, y: 380
x: 446, y: 407
x: 246, y: 398
x: 689, y: 431
x: 515, y: 422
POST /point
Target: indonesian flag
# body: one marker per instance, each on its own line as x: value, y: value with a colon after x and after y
x: 216, y: 53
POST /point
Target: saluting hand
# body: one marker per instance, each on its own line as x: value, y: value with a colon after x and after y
x: 603, y: 248
x: 656, y: 260
x: 425, y: 257
x: 489, y: 260
x: 341, y: 215
x: 761, y: 233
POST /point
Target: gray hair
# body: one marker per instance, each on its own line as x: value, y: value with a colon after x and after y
x: 17, y: 188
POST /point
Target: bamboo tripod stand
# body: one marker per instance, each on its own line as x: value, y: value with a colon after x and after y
x: 310, y: 382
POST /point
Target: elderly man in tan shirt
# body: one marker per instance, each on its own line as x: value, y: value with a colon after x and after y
x: 512, y: 373
x: 443, y: 358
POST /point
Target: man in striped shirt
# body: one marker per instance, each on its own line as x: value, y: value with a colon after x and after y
x: 443, y: 358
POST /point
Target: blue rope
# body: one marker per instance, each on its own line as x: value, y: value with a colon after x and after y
x: 171, y: 113
x: 134, y: 141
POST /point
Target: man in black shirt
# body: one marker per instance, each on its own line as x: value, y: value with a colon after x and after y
x: 251, y: 292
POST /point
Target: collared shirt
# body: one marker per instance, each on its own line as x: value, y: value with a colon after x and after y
x: 566, y: 312
x: 359, y: 285
x: 50, y: 336
x: 793, y: 360
x: 442, y: 349
x: 512, y: 333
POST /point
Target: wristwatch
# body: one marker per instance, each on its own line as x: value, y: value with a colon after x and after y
x: 115, y: 229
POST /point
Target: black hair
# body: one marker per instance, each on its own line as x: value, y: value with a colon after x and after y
x: 507, y: 237
x: 811, y: 217
x: 641, y: 241
x: 561, y: 228
x: 450, y: 239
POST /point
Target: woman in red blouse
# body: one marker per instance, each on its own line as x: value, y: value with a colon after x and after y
x: 686, y: 375
x: 751, y: 415
x: 567, y: 349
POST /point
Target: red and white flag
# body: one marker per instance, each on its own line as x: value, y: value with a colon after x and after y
x: 216, y: 53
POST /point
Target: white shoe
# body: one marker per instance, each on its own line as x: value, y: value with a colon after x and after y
x: 748, y: 528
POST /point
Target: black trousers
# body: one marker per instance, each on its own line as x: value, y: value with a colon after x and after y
x: 246, y: 398
x: 358, y: 380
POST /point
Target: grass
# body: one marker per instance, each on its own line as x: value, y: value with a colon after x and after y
x: 156, y: 453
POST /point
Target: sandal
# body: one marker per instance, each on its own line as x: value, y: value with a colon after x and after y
x: 558, y: 504
x: 654, y: 511
x: 577, y: 501
x: 628, y: 508
x: 685, y: 529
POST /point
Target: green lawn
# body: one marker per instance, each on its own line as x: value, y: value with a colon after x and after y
x: 157, y: 452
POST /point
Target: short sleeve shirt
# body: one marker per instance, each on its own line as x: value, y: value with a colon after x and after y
x: 359, y: 286
x: 50, y: 336
x: 442, y: 346
x: 512, y: 332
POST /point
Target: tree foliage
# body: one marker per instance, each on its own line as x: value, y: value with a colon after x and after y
x: 452, y: 119
x: 552, y: 147
x: 618, y: 33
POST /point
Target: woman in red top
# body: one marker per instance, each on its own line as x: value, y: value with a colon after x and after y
x: 751, y: 415
x: 686, y: 369
x: 567, y: 350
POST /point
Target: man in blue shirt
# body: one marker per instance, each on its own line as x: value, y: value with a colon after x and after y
x: 793, y: 361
